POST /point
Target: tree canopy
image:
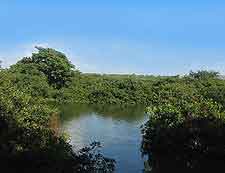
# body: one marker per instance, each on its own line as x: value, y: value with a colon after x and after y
x: 54, y: 64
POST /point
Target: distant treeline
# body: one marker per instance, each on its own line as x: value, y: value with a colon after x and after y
x: 135, y: 89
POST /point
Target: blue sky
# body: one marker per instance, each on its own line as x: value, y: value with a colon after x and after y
x: 118, y: 36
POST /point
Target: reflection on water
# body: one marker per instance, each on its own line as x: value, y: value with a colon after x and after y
x: 118, y: 129
x: 161, y: 163
x: 196, y: 146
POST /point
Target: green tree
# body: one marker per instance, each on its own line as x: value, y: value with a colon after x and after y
x: 54, y: 64
x: 27, y: 78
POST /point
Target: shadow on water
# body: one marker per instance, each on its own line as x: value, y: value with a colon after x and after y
x: 128, y: 113
x: 198, y: 147
x: 160, y: 163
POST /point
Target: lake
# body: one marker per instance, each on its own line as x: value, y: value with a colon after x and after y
x: 118, y: 130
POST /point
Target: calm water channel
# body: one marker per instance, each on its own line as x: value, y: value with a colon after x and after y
x: 118, y: 129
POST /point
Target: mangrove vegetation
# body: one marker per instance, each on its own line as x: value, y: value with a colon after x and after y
x: 186, y: 114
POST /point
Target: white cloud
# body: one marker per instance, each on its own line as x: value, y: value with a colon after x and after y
x: 11, y: 56
x: 80, y: 63
x: 30, y: 48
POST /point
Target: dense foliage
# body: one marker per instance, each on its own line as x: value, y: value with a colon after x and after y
x: 187, y: 122
x: 107, y: 89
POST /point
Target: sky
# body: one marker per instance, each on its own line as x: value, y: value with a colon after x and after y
x: 118, y: 36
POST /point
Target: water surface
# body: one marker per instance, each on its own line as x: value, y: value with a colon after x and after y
x: 118, y: 129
